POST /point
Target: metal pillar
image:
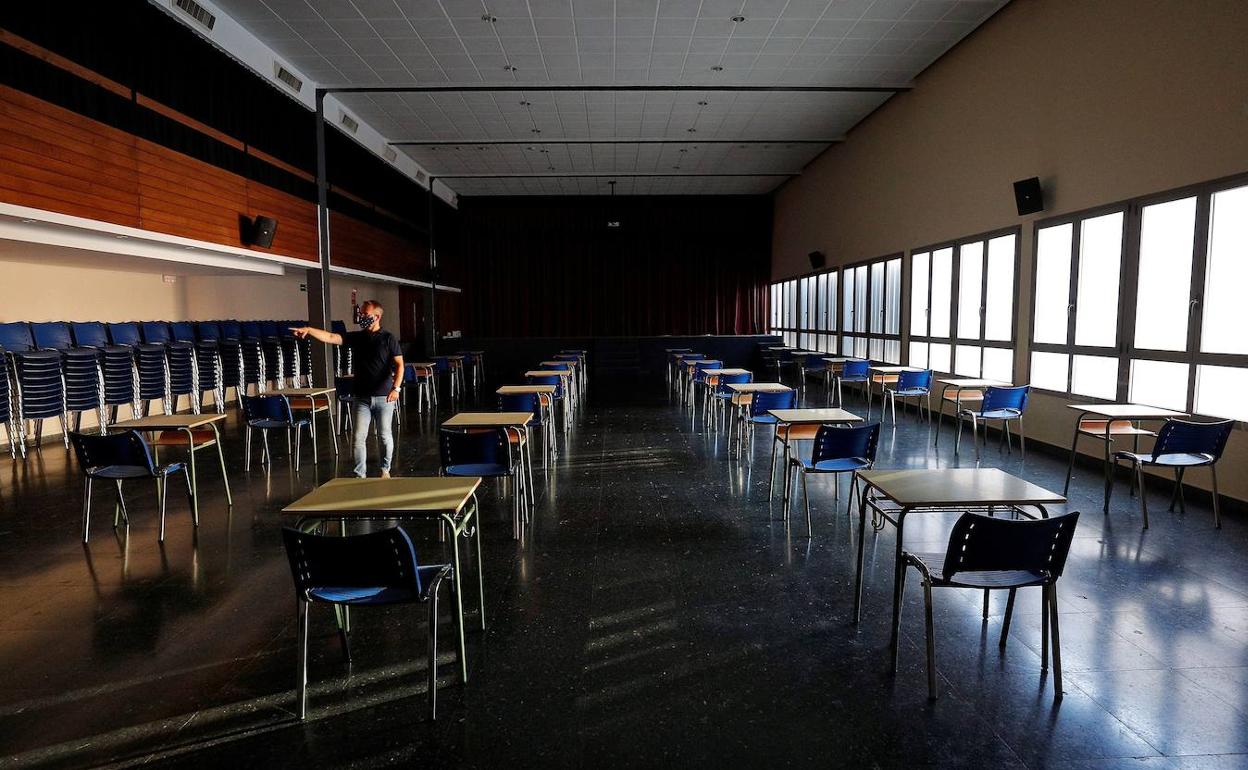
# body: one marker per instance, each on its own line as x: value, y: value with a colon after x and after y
x: 318, y: 280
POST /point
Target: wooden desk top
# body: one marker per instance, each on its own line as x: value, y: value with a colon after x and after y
x: 559, y: 363
x: 805, y: 353
x: 759, y: 387
x: 1127, y: 411
x: 781, y: 347
x: 301, y: 392
x: 973, y: 383
x: 894, y: 369
x: 550, y: 373
x: 958, y: 486
x: 489, y: 419
x: 168, y: 421
x: 810, y: 416
x: 687, y: 354
x: 420, y: 494
x: 678, y: 350
x: 420, y: 364
x: 717, y: 372
x: 842, y: 360
x: 509, y: 389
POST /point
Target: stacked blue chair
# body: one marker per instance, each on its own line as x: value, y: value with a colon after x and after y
x: 180, y: 362
x: 116, y: 365
x: 224, y: 335
x: 39, y: 389
x: 274, y: 353
x: 149, y: 363
x: 6, y: 406
x: 80, y: 367
x: 207, y: 365
x: 255, y: 367
x: 723, y: 395
x: 293, y: 360
x: 342, y: 354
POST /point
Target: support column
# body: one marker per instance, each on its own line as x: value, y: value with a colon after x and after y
x: 318, y: 279
x: 430, y: 319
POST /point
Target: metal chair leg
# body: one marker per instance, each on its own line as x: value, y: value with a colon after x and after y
x: 1057, y: 642
x: 931, y: 640
x: 161, y: 491
x: 1139, y: 474
x: 301, y: 698
x: 1217, y: 512
x: 434, y: 590
x: 247, y: 449
x: 810, y: 532
x: 86, y: 510
x: 1009, y: 615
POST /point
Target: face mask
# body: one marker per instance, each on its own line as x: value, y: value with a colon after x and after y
x: 366, y: 322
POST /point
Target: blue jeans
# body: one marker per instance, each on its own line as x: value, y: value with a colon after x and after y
x: 364, y: 411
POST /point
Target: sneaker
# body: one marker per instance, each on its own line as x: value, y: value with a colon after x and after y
x: 385, y: 474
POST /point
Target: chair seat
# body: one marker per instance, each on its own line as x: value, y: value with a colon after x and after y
x: 375, y: 595
x: 763, y: 419
x: 1177, y: 459
x: 994, y: 414
x: 935, y: 563
x: 132, y: 471
x: 910, y: 391
x: 478, y: 469
x: 272, y: 424
x: 797, y: 432
x: 838, y: 465
x: 853, y: 378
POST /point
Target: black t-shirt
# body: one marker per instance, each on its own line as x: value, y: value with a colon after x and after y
x: 372, y: 361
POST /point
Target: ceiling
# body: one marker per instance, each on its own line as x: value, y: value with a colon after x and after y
x: 879, y: 44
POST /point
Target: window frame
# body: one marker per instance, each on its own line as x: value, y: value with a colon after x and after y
x: 953, y: 340
x: 1125, y: 349
x: 902, y: 305
x: 796, y: 334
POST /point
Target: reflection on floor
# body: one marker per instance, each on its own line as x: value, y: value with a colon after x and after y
x: 659, y: 614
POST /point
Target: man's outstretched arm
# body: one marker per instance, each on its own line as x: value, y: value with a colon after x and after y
x: 330, y: 338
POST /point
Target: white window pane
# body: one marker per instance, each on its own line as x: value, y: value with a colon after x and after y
x: 966, y: 361
x: 875, y: 351
x: 1220, y: 391
x: 999, y: 301
x: 847, y: 301
x: 832, y: 304
x: 1159, y: 383
x: 1095, y: 376
x: 877, y: 297
x: 1052, y: 289
x: 804, y: 304
x: 942, y: 286
x: 847, y: 346
x: 861, y: 312
x: 999, y: 364
x: 918, y: 293
x: 1166, y: 234
x: 892, y: 296
x: 918, y: 354
x: 860, y: 347
x: 939, y: 357
x: 1049, y: 370
x: 970, y: 289
x: 1225, y: 312
x: 1100, y: 260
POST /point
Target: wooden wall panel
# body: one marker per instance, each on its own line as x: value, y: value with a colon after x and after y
x: 362, y: 247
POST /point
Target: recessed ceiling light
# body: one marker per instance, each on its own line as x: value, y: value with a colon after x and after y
x: 510, y: 68
x: 738, y: 19
x: 536, y: 130
x: 524, y: 103
x: 543, y: 150
x: 550, y: 168
x: 691, y: 130
x: 717, y: 68
x: 703, y: 103
x: 491, y: 18
x: 530, y: 147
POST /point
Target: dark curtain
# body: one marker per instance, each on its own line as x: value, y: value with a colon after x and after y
x: 537, y: 267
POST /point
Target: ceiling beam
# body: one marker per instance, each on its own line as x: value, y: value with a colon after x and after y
x: 469, y: 142
x: 597, y: 175
x: 538, y: 88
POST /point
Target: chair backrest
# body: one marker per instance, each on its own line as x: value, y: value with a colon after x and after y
x: 764, y: 402
x: 269, y: 329
x: 1187, y: 437
x: 553, y: 367
x: 373, y: 560
x: 52, y: 334
x: 981, y: 543
x: 230, y: 330
x: 251, y: 330
x: 521, y: 402
x: 124, y: 333
x: 155, y: 331
x: 732, y: 379
x: 1005, y: 398
x: 89, y: 334
x: 208, y: 331
x: 485, y: 447
x: 548, y: 379
x: 855, y: 369
x: 707, y: 364
x: 126, y: 448
x: 15, y: 337
x: 267, y: 408
x: 837, y: 443
x: 183, y: 331
x: 567, y: 357
x: 911, y: 380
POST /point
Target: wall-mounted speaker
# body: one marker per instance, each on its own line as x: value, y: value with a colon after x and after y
x: 262, y: 232
x: 1028, y: 196
x: 817, y: 260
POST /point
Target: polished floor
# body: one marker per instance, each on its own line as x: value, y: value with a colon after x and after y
x: 659, y: 614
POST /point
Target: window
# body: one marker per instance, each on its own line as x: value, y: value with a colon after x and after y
x: 871, y: 310
x: 962, y: 306
x: 803, y: 311
x: 1142, y: 302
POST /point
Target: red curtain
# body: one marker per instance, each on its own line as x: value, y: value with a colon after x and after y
x: 545, y: 267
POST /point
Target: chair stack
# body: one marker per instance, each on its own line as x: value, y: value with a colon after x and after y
x: 116, y: 365
x: 6, y: 407
x: 181, y: 363
x: 342, y: 354
x: 275, y: 365
x: 38, y: 388
x: 80, y: 368
x: 150, y: 366
x: 207, y: 364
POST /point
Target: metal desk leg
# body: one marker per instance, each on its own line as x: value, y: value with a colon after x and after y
x: 480, y: 572
x: 898, y: 586
x: 940, y: 416
x: 862, y: 538
x: 1109, y: 470
x: 190, y: 442
x: 459, y: 595
x: 225, y: 477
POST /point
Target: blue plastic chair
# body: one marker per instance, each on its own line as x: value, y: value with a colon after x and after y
x: 916, y: 385
x: 699, y: 377
x: 371, y: 570
x: 996, y: 554
x: 836, y: 450
x: 722, y: 394
x: 117, y: 457
x: 1003, y: 404
x: 486, y: 453
x: 424, y: 380
x: 266, y: 413
x: 757, y: 414
x: 1182, y: 444
x: 852, y: 371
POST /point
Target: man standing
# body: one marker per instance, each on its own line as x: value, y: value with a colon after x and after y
x: 377, y: 362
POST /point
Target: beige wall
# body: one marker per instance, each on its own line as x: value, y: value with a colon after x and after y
x: 1102, y: 99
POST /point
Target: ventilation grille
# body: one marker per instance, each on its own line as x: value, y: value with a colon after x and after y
x: 197, y: 12
x: 390, y: 154
x: 289, y: 78
x: 349, y: 123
